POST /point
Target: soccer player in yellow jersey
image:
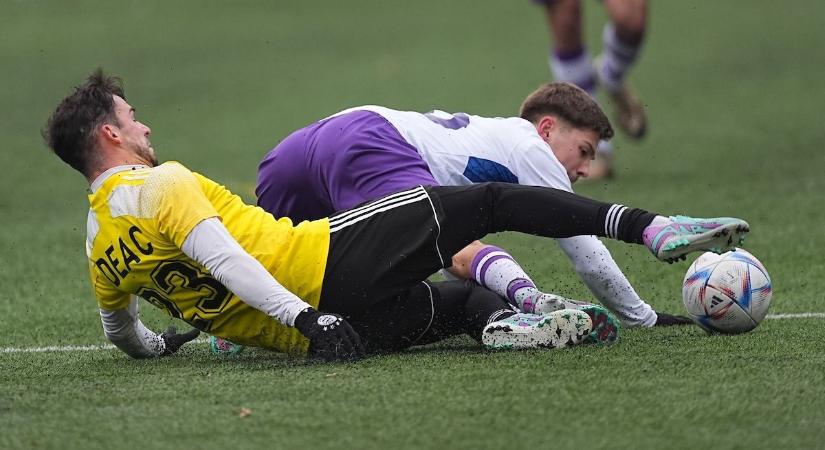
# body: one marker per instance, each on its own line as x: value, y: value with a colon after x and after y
x: 337, y: 287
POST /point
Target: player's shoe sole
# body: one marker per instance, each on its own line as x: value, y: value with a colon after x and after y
x: 522, y: 331
x: 675, y: 241
x: 605, y: 326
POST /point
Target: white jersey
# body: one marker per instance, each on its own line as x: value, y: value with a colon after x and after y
x: 462, y: 149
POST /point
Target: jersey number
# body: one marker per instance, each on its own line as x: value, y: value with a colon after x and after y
x: 454, y: 122
x: 170, y: 276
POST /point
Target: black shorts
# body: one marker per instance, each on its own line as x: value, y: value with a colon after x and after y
x: 380, y: 255
x: 380, y: 250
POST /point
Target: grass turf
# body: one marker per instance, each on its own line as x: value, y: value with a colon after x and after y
x: 731, y: 90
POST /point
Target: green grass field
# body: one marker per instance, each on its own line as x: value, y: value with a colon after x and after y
x: 734, y: 93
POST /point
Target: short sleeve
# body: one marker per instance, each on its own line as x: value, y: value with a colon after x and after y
x: 178, y: 201
x: 535, y: 165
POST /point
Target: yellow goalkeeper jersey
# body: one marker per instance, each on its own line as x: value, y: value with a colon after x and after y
x: 138, y: 221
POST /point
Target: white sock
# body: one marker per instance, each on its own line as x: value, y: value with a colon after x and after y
x: 617, y: 58
x: 576, y: 68
x: 496, y: 270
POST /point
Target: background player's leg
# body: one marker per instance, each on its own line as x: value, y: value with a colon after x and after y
x: 622, y: 42
x: 569, y: 60
x: 622, y: 39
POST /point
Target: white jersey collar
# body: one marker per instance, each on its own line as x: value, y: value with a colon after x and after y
x: 113, y: 170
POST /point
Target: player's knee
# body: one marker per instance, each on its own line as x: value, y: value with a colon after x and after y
x: 463, y: 260
x: 631, y: 30
x: 629, y: 17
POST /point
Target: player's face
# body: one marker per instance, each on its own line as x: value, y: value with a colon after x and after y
x: 574, y: 148
x: 135, y: 135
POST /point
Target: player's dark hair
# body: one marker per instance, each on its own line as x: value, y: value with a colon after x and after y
x: 570, y: 103
x: 71, y: 130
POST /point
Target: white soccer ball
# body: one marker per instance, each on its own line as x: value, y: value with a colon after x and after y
x: 728, y: 293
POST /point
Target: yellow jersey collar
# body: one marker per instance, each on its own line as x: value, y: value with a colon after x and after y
x: 113, y: 170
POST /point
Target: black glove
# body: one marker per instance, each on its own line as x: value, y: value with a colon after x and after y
x: 173, y: 340
x: 330, y: 336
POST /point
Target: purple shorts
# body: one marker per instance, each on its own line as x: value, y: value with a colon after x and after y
x: 336, y: 164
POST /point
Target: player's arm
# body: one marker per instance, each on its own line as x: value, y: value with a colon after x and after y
x: 122, y: 325
x: 591, y: 259
x: 211, y: 244
x: 187, y: 217
x: 124, y: 329
x: 596, y: 267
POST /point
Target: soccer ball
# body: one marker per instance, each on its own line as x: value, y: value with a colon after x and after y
x: 728, y: 293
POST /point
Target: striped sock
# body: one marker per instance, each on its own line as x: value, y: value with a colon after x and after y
x: 496, y: 270
x: 618, y: 57
x: 625, y: 224
x: 574, y: 67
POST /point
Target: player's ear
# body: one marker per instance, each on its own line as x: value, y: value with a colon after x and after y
x: 546, y: 125
x: 109, y: 132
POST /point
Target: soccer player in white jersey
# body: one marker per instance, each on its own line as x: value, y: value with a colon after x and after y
x: 364, y: 153
x: 570, y: 61
x: 335, y: 287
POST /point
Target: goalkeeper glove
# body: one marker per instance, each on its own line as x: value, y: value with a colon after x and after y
x: 330, y: 336
x: 173, y: 340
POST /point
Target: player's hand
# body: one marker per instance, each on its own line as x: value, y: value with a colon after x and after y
x: 330, y: 336
x: 173, y: 340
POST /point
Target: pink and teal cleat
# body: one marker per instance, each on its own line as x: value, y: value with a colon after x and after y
x: 671, y: 238
x: 223, y: 347
x: 522, y: 330
x: 605, y: 325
